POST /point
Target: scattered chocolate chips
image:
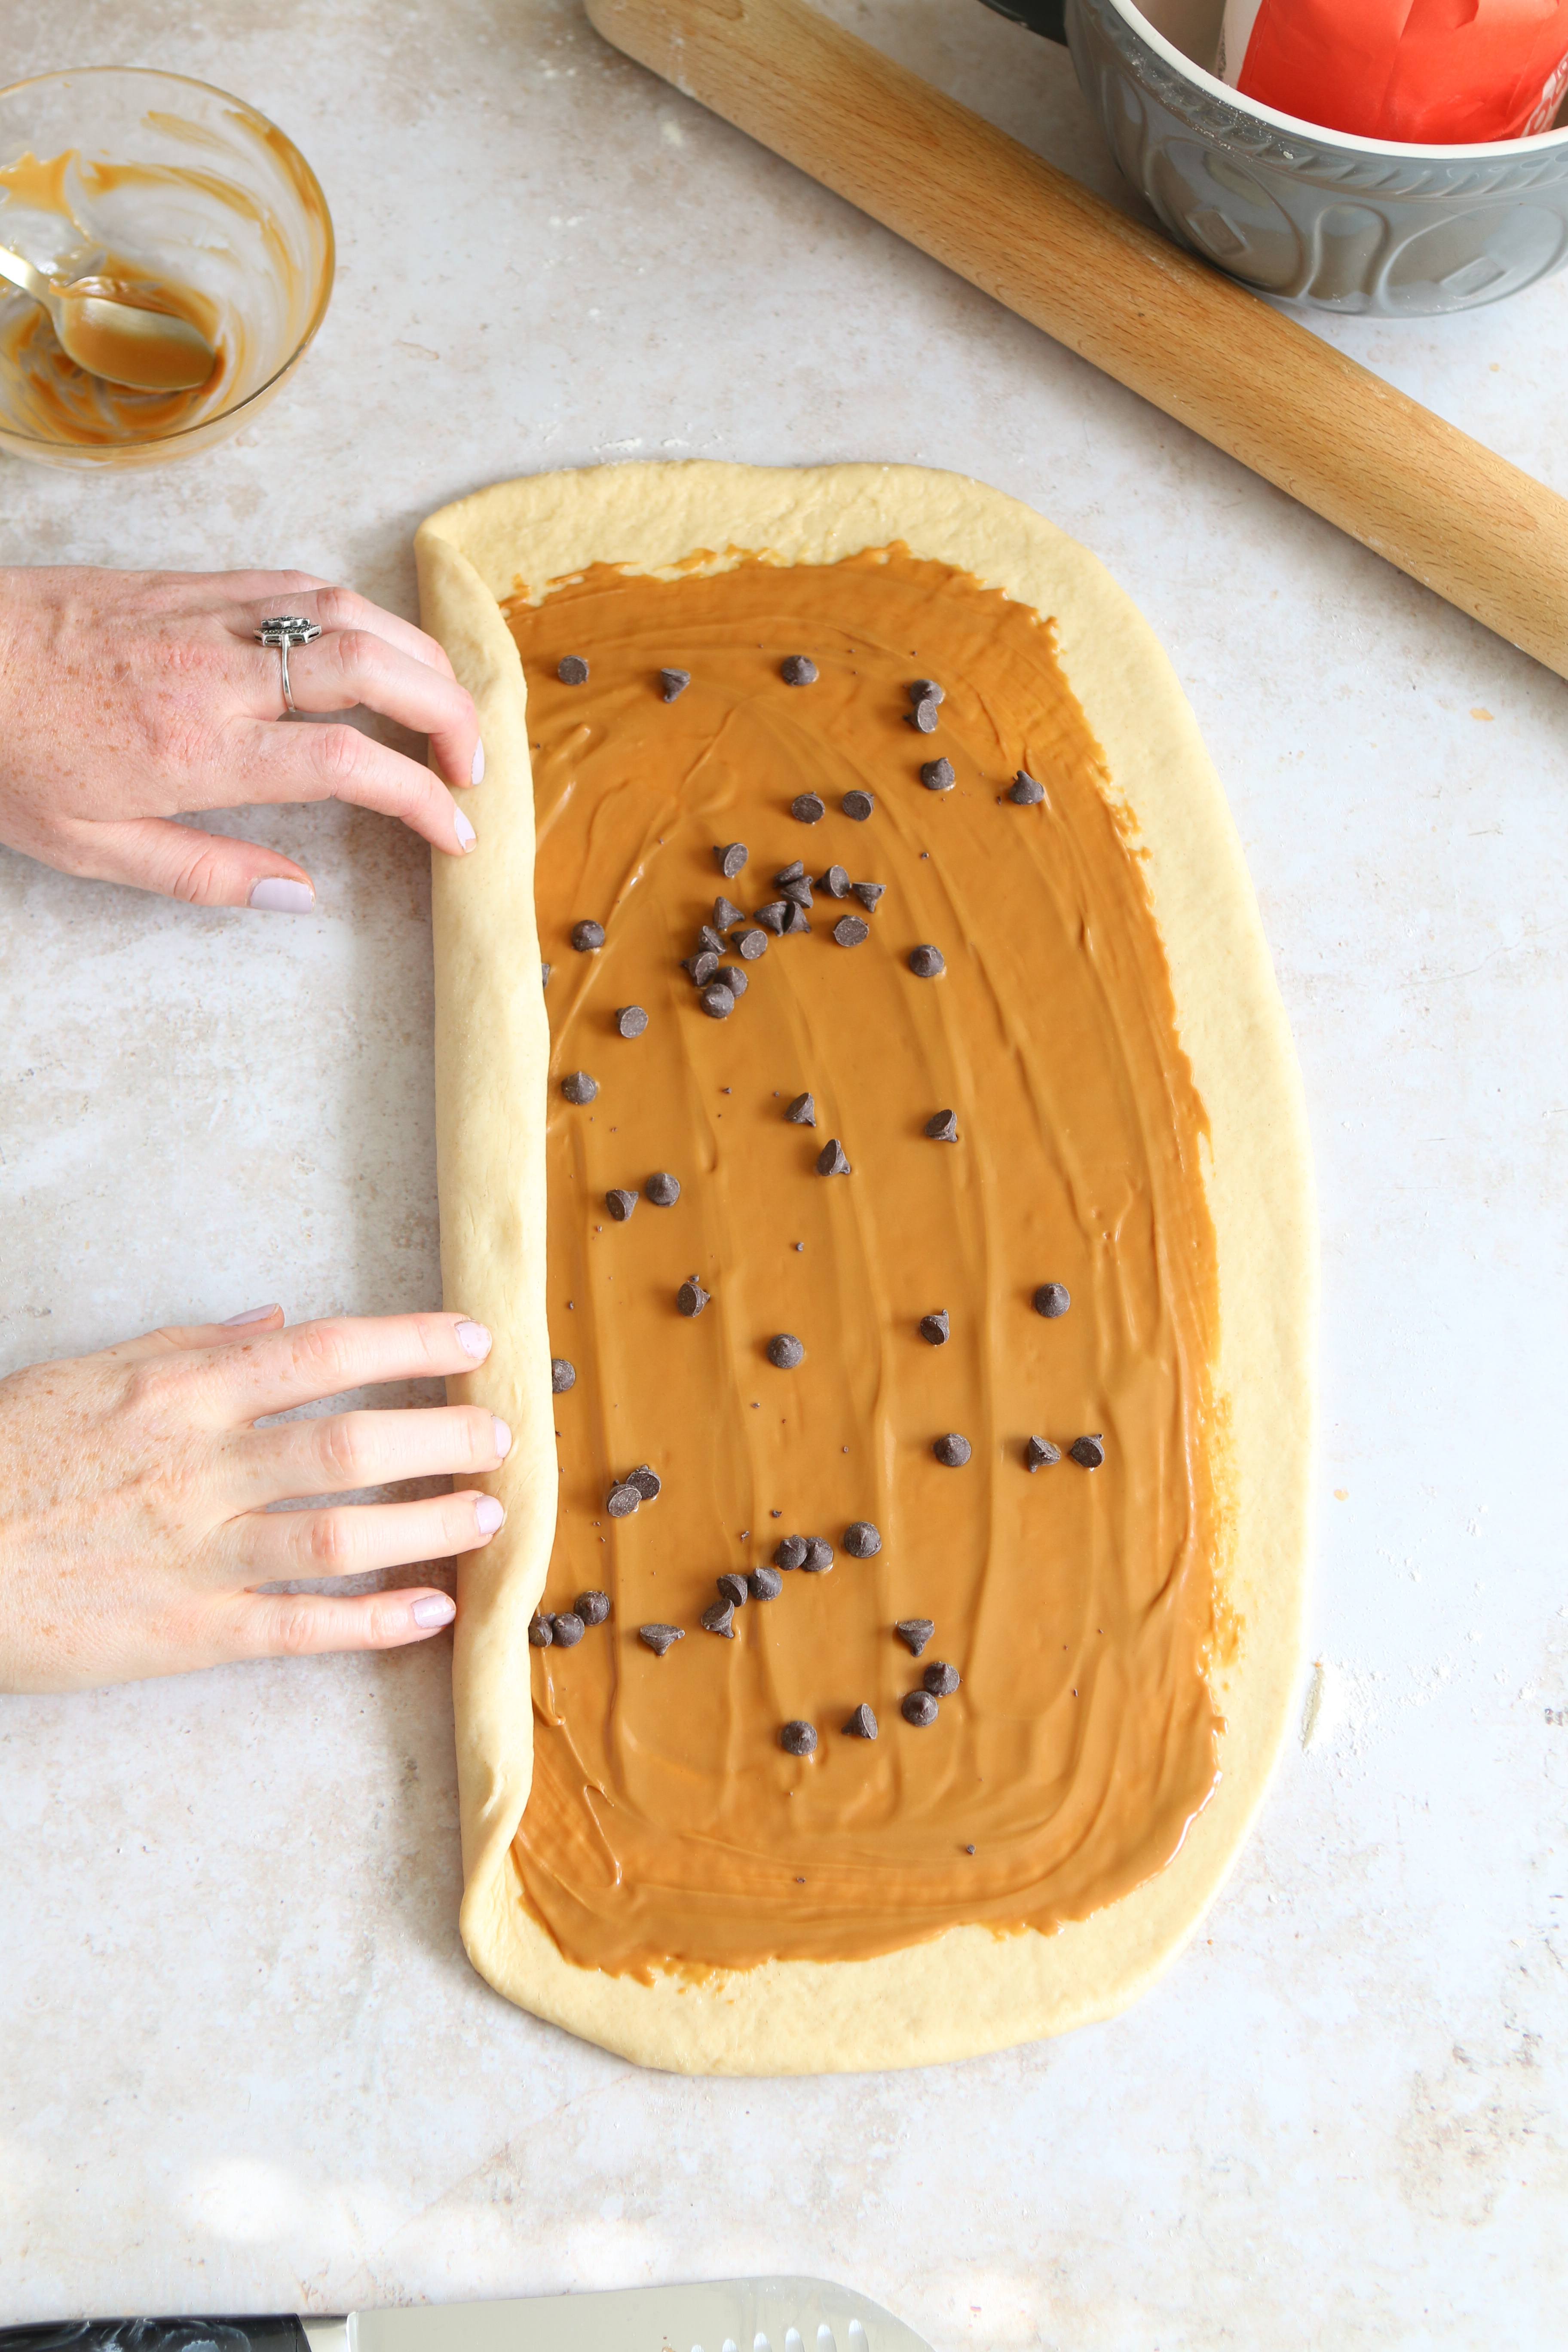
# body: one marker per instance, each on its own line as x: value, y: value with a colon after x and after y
x: 940, y: 1679
x: 927, y: 962
x: 914, y: 1633
x: 925, y: 689
x: 798, y: 669
x: 620, y: 1204
x: 833, y: 1160
x: 569, y: 1630
x: 862, y: 1723
x: 579, y: 1087
x: 1039, y: 1453
x: 1051, y: 1299
x: 857, y: 806
x: 953, y: 1450
x: 674, y: 683
x: 938, y: 776
x: 798, y: 1739
x: 752, y: 944
x: 785, y: 1350
x: 541, y: 1630
x: 935, y: 1327
x: 732, y: 856
x: 623, y: 1499
x: 776, y: 914
x: 791, y: 1552
x: 691, y: 1298
x: 818, y: 1556
x: 852, y: 930
x: 563, y: 1375
x: 942, y: 1127
x: 733, y: 1589
x: 726, y: 914
x: 869, y: 893
x: 631, y: 1021
x: 1025, y: 790
x: 924, y: 717
x: 663, y: 1188
x: 803, y: 1111
x: 1087, y: 1451
x: 648, y: 1482
x: 861, y: 1539
x: 835, y: 882
x: 764, y: 1583
x: 918, y: 1708
x: 592, y: 1607
x: 573, y: 671
x: 730, y: 976
x: 660, y: 1638
x: 587, y: 938
x: 700, y: 968
x: 718, y: 1617
x: 717, y: 1002
x: 544, y: 972
x: 808, y: 808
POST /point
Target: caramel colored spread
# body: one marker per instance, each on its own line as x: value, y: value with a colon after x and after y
x: 670, y: 1827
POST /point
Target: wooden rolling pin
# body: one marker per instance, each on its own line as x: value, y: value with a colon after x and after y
x: 1445, y: 510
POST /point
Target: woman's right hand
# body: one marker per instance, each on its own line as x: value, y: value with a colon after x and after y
x: 134, y: 1531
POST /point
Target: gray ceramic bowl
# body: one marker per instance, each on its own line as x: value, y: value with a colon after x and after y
x: 1315, y: 216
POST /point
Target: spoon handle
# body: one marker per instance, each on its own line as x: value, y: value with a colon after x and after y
x: 22, y: 274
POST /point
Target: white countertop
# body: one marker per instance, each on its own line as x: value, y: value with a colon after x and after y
x: 243, y: 2061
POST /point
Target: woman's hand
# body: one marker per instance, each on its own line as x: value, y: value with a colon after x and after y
x: 133, y: 1487
x: 129, y: 697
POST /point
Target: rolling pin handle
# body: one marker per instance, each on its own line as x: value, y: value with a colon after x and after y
x: 1047, y: 16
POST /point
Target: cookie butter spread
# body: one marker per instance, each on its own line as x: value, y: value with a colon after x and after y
x: 881, y: 1281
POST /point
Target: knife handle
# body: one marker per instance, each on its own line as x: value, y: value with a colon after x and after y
x: 275, y: 2332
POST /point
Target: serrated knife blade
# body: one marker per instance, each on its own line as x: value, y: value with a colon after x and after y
x: 756, y: 2315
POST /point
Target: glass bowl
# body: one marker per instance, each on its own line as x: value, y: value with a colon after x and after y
x: 180, y: 190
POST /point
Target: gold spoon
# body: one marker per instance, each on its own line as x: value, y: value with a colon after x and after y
x: 148, y: 350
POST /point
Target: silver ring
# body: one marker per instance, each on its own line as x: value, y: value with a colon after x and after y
x: 288, y: 629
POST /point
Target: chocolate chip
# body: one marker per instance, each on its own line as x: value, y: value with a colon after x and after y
x: 631, y: 1021
x: 791, y: 1552
x: 938, y: 776
x: 785, y: 1350
x: 798, y: 1739
x: 569, y: 1630
x: 663, y: 1188
x: 935, y: 1327
x: 726, y: 914
x: 718, y: 1617
x: 803, y: 1111
x: 579, y: 1087
x: 764, y: 1583
x: 752, y: 944
x: 927, y: 962
x: 674, y: 683
x: 1039, y: 1453
x: 861, y: 1539
x: 563, y: 1375
x: 732, y: 856
x: 700, y: 967
x: 717, y: 1002
x: 1089, y: 1452
x: 808, y: 808
x: 573, y: 671
x: 953, y: 1450
x: 925, y: 689
x: 798, y: 669
x: 730, y: 976
x: 592, y: 1607
x: 862, y: 1723
x: 776, y: 914
x: 587, y: 938
x: 835, y: 882
x: 714, y: 941
x: 797, y: 893
x: 1025, y: 791
x: 832, y: 1159
x: 623, y: 1499
x: 660, y: 1638
x: 733, y: 1589
x: 920, y: 1708
x: 857, y: 806
x: 620, y: 1204
x: 914, y: 1633
x: 924, y: 717
x: 1051, y: 1299
x: 942, y: 1127
x: 794, y: 872
x: 852, y: 930
x: 544, y: 972
x: 940, y: 1679
x: 541, y: 1630
x: 869, y: 893
x: 796, y: 923
x: 818, y: 1556
x: 648, y: 1482
x: 691, y: 1298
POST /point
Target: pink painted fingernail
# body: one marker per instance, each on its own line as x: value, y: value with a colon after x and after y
x: 251, y: 1315
x: 276, y: 895
x: 463, y: 829
x: 473, y: 1340
x: 488, y: 1515
x: 478, y: 775
x: 503, y: 1436
x: 433, y: 1609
